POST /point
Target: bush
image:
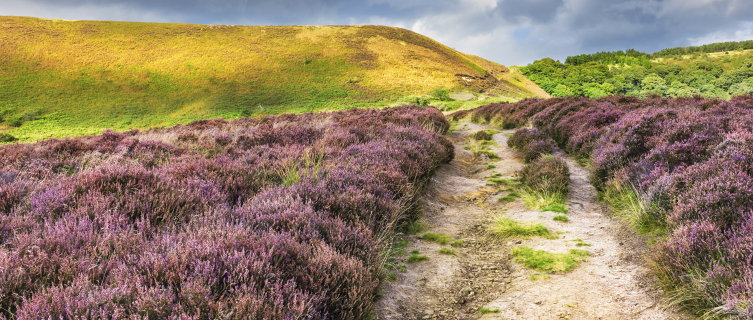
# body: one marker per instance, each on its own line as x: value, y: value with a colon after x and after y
x: 213, y: 218
x: 481, y: 135
x: 546, y: 174
x: 441, y: 94
x: 5, y: 137
x: 689, y: 165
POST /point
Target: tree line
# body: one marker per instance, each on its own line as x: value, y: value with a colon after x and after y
x: 639, y: 74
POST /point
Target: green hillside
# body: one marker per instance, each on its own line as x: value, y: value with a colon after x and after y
x: 722, y: 74
x: 68, y: 78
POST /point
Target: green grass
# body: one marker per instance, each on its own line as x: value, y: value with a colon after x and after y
x: 457, y: 243
x: 71, y: 78
x: 547, y: 261
x: 561, y: 218
x: 487, y: 310
x: 481, y: 147
x: 494, y: 181
x: 447, y: 251
x: 538, y: 276
x: 627, y: 203
x: 490, y: 166
x: 414, y: 227
x: 415, y: 256
x: 580, y: 243
x: 539, y: 200
x: 508, y: 228
x: 509, y: 198
x: 437, y: 237
x: 556, y: 207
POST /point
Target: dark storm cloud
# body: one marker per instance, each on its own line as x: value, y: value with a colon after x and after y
x: 506, y: 31
x: 536, y: 10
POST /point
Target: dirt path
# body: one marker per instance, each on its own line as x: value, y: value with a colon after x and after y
x: 613, y: 284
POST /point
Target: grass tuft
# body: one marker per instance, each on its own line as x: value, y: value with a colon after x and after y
x: 538, y: 200
x: 487, y: 310
x: 416, y: 257
x: 437, y: 237
x: 550, y: 262
x: 447, y: 251
x: 538, y: 276
x: 556, y: 207
x: 457, y: 243
x: 561, y: 218
x: 507, y: 228
x: 414, y: 227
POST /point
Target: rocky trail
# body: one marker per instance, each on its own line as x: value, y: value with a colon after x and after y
x: 614, y: 282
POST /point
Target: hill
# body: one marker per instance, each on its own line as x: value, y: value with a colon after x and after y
x: 69, y: 78
x: 720, y: 75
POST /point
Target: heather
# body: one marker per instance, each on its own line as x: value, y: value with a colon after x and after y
x: 680, y: 169
x: 266, y: 218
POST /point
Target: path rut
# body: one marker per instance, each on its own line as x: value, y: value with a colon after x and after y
x: 614, y: 283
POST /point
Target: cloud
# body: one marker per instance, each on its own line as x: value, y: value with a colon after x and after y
x: 511, y: 32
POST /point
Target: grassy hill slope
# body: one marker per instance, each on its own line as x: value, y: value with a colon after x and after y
x: 67, y: 78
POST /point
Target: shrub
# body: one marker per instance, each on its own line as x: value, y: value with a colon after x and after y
x: 481, y: 135
x: 546, y: 175
x: 677, y: 168
x: 213, y: 218
x: 5, y: 137
x: 441, y: 94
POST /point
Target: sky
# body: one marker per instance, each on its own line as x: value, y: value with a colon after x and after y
x: 505, y: 31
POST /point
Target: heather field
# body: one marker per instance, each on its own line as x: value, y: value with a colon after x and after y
x: 679, y: 170
x: 268, y: 218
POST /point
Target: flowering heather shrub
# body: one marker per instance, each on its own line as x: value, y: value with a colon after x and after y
x: 481, y: 135
x: 268, y: 218
x: 692, y: 159
x: 532, y: 143
x: 546, y: 175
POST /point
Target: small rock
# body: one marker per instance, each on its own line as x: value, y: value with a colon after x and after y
x: 429, y: 311
x: 538, y: 302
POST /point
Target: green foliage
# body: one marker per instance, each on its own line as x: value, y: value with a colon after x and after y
x: 4, y: 137
x: 556, y: 207
x: 507, y: 228
x: 481, y: 135
x: 416, y: 257
x: 509, y: 197
x: 457, y: 243
x: 634, y: 73
x: 580, y: 243
x: 561, y: 218
x: 481, y: 147
x: 708, y: 48
x: 490, y: 166
x: 538, y: 276
x: 547, y: 261
x: 628, y: 203
x: 541, y: 199
x: 441, y: 94
x: 447, y: 251
x: 437, y: 237
x: 487, y: 310
x: 414, y: 227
